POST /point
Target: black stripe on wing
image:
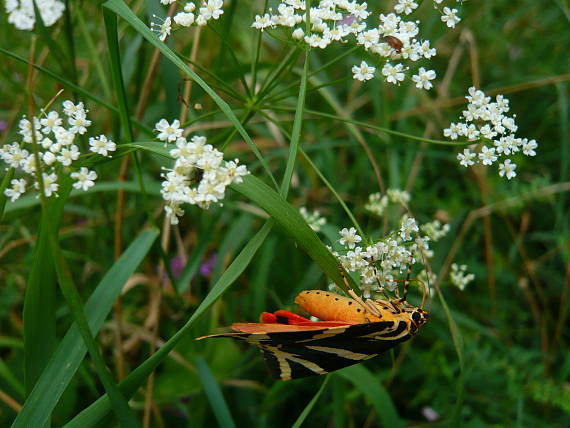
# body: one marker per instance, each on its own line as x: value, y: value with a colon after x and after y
x: 332, y: 350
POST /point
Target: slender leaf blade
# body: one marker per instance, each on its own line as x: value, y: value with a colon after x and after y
x: 214, y: 394
x: 372, y: 389
x: 98, y: 410
x: 71, y: 351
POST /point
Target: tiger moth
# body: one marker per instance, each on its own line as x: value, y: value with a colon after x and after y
x: 350, y: 330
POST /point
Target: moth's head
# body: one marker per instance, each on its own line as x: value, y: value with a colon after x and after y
x: 419, y: 317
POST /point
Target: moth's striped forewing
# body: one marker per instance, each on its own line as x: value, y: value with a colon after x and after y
x: 296, y: 351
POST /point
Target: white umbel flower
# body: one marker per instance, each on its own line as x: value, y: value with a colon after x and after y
x: 450, y: 17
x: 18, y: 189
x: 21, y: 13
x: 507, y: 168
x: 168, y: 132
x: 101, y: 145
x: 200, y: 176
x: 394, y: 73
x: 363, y: 72
x: 84, y: 179
x: 423, y: 78
x: 56, y: 155
x: 349, y: 237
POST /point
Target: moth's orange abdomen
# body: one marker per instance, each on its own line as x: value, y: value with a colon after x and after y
x: 329, y: 306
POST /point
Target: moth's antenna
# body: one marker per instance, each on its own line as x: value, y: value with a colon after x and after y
x: 407, y: 282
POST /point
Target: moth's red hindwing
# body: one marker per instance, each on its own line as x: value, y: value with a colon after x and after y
x: 298, y: 354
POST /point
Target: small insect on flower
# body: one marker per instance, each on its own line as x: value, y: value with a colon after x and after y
x: 350, y: 330
x: 394, y: 43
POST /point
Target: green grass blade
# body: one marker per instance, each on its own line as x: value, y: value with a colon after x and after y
x: 373, y: 390
x: 289, y: 219
x: 457, y: 339
x: 29, y: 201
x: 3, y: 186
x: 286, y: 216
x: 98, y: 410
x: 116, y: 74
x: 40, y: 299
x: 10, y: 379
x: 297, y: 126
x: 119, y: 404
x: 95, y: 56
x: 311, y: 404
x: 71, y: 351
x: 122, y: 10
x: 374, y: 127
x: 76, y: 89
x: 214, y: 395
x: 70, y: 85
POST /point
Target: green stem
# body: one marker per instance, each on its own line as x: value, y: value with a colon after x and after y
x: 377, y: 128
x: 3, y: 186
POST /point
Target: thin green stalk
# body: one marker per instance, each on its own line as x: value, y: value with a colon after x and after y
x: 276, y: 99
x: 256, y: 55
x: 223, y: 39
x: 323, y: 179
x: 77, y: 89
x: 314, y: 72
x: 70, y: 39
x: 273, y: 78
x: 3, y: 186
x: 311, y: 404
x: 222, y: 85
x: 374, y: 127
x: 297, y: 126
x: 122, y: 410
x: 95, y: 56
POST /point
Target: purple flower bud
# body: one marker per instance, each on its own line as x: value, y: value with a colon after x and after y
x: 207, y: 266
x: 348, y: 20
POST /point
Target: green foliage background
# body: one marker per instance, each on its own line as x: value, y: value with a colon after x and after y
x: 494, y: 354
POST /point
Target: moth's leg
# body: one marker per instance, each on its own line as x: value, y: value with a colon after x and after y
x: 380, y: 286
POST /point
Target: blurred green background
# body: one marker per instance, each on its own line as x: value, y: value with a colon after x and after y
x: 512, y: 368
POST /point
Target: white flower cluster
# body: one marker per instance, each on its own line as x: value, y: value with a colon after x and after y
x: 209, y: 9
x: 435, y: 229
x: 199, y: 176
x: 377, y: 202
x: 381, y: 262
x: 459, y: 276
x: 56, y: 150
x: 21, y: 12
x: 338, y: 20
x: 314, y: 219
x: 487, y: 124
x: 448, y: 15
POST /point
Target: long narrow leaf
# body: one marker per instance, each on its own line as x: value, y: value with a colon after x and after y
x: 3, y: 186
x: 292, y: 223
x: 40, y: 299
x: 29, y: 201
x: 121, y: 9
x: 98, y: 410
x: 71, y: 351
x: 120, y: 405
x: 285, y: 215
x: 297, y: 126
x: 214, y: 394
x: 373, y: 390
x: 311, y: 404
